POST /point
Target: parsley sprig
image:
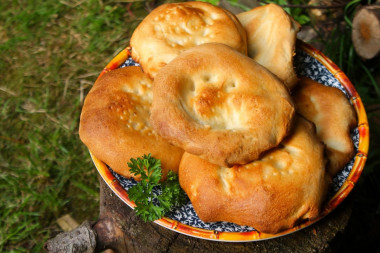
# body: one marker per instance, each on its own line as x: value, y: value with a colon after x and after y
x: 153, y: 204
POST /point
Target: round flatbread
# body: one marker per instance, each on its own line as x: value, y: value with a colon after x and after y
x: 286, y: 186
x: 221, y: 105
x: 172, y: 28
x: 115, y: 125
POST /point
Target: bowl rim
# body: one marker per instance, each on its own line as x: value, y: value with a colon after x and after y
x: 338, y: 197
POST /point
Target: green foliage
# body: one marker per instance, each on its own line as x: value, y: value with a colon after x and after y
x: 150, y: 172
x: 299, y: 14
x: 231, y: 2
x: 214, y: 2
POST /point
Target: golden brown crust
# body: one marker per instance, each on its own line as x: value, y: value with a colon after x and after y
x: 287, y: 185
x: 333, y: 116
x: 271, y: 34
x: 171, y: 28
x: 219, y: 104
x: 115, y: 126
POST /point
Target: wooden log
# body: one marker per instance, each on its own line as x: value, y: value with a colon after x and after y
x: 366, y: 31
x: 119, y: 229
x: 81, y: 239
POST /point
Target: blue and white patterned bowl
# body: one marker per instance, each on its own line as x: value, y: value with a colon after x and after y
x: 308, y: 62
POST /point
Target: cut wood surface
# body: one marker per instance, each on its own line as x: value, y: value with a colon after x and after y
x: 119, y: 229
x: 366, y: 31
x: 67, y: 223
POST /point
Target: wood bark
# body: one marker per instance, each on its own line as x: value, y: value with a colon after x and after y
x: 119, y: 229
x: 366, y: 31
x: 81, y: 239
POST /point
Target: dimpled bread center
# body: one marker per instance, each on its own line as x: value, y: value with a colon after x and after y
x: 184, y: 32
x: 217, y: 102
x: 135, y: 111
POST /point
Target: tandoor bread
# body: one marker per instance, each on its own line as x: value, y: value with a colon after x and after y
x: 271, y: 34
x: 217, y: 103
x: 171, y: 28
x: 115, y: 126
x: 333, y: 117
x: 286, y: 186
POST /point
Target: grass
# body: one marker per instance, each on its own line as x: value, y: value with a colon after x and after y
x: 51, y: 53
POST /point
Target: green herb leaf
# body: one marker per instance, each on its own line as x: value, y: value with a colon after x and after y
x: 151, y: 206
x: 171, y: 187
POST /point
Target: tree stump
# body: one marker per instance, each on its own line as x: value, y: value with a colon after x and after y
x: 120, y: 230
x: 366, y: 31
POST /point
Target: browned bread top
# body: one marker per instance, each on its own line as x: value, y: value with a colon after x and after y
x: 286, y: 186
x: 219, y: 104
x: 115, y: 125
x: 171, y: 28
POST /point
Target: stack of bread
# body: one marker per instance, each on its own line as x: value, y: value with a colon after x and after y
x: 217, y: 100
